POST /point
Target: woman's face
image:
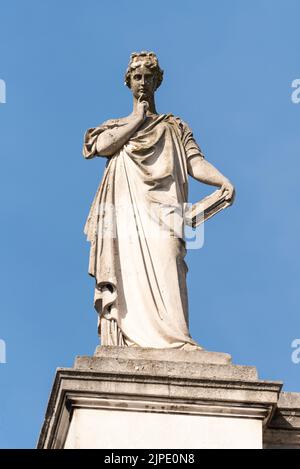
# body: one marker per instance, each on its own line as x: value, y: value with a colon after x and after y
x: 142, y: 83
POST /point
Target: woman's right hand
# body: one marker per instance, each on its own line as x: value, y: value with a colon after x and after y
x: 141, y: 109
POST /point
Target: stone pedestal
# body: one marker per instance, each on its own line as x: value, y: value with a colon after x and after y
x: 148, y: 398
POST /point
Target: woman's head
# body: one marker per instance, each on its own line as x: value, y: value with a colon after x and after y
x: 143, y: 75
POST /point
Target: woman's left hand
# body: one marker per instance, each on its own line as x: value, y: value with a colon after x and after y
x: 228, y: 188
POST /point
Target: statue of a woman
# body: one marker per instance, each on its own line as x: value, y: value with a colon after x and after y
x: 140, y: 292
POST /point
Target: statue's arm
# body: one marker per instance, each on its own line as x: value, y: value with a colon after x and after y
x: 201, y: 170
x: 112, y: 140
x: 110, y: 137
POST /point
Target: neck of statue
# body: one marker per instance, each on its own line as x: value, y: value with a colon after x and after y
x: 151, y: 102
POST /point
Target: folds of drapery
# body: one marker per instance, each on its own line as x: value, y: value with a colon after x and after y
x: 141, y: 278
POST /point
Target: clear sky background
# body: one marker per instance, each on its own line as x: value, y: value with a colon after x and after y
x: 229, y: 66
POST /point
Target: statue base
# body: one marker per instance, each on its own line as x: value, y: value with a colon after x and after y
x: 147, y: 398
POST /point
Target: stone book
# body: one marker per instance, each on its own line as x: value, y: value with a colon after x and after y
x: 206, y: 208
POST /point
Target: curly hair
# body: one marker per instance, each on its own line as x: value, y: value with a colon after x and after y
x: 149, y: 60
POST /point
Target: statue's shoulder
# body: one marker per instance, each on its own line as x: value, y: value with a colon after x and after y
x: 114, y: 122
x: 108, y: 124
x: 180, y: 123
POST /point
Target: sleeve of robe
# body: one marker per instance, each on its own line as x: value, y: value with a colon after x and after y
x: 191, y: 146
x: 91, y: 137
x: 90, y: 151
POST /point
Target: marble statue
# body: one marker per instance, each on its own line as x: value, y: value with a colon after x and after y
x: 140, y: 279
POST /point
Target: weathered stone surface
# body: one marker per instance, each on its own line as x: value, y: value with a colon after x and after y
x: 284, y: 428
x: 111, y: 390
x: 289, y: 400
x: 287, y: 415
x: 166, y: 368
x: 172, y: 355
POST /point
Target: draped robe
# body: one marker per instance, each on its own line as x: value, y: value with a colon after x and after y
x: 140, y: 272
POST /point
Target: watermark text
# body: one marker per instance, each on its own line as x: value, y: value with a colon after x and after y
x: 2, y: 91
x: 296, y: 93
x: 296, y: 353
x: 2, y: 351
x: 145, y: 221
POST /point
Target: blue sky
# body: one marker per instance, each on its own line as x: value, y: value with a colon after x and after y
x: 229, y: 66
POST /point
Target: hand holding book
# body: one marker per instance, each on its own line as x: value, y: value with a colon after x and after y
x: 210, y: 205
